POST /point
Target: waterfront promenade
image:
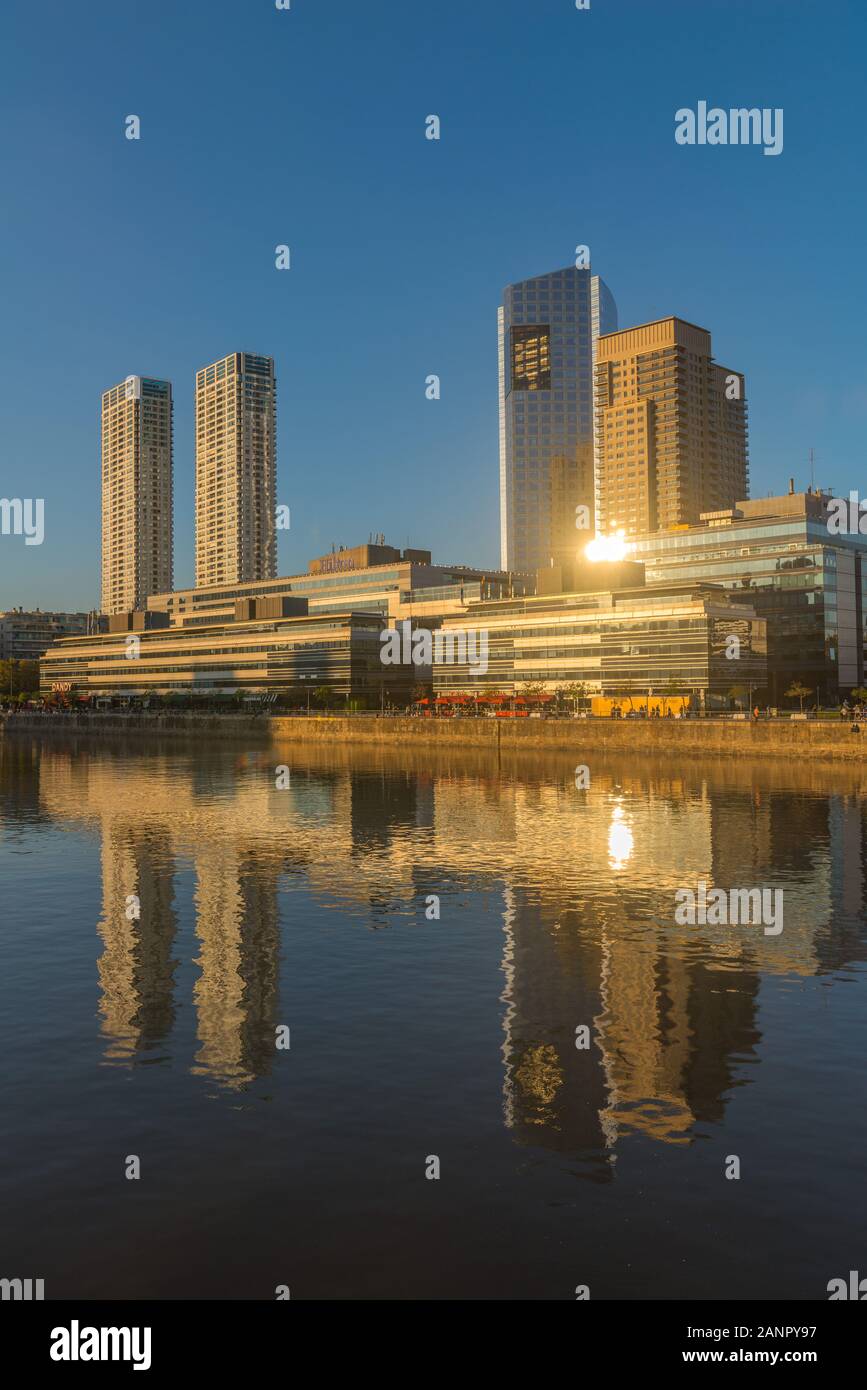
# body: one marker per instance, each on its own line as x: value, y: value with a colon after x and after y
x: 783, y: 737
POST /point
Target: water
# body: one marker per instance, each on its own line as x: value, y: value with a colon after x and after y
x: 410, y: 1037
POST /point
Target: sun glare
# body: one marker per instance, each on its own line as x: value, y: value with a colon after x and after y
x: 612, y: 547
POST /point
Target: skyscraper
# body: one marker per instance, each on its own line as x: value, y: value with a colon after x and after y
x: 671, y: 429
x: 236, y: 470
x: 548, y: 329
x: 136, y: 492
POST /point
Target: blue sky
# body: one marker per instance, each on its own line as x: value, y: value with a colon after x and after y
x: 306, y: 127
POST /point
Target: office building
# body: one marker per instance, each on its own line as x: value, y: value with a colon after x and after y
x: 373, y: 578
x: 671, y: 429
x: 236, y: 471
x: 283, y: 635
x: 548, y: 328
x: 260, y: 650
x: 779, y: 556
x: 631, y: 645
x: 136, y: 492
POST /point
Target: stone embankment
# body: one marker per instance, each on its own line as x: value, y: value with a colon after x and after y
x: 767, y: 738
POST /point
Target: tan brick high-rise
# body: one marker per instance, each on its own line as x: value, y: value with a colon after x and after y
x: 136, y: 492
x: 236, y: 470
x: 671, y: 429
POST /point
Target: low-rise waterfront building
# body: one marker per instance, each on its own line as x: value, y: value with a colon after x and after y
x: 778, y: 556
x: 291, y: 654
x: 640, y: 644
x: 319, y: 629
x: 371, y: 578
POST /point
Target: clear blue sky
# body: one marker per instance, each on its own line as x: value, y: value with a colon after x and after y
x: 306, y: 127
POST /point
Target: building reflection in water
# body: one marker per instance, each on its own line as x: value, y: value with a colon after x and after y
x: 586, y: 883
x: 235, y: 995
x: 136, y: 969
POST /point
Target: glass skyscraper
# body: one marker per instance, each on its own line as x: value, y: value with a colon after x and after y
x: 548, y: 329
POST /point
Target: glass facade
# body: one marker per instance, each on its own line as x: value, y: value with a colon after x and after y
x: 548, y: 329
x: 618, y: 644
x: 810, y: 585
x: 394, y: 591
x: 342, y: 652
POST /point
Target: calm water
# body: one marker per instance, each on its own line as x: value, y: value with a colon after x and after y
x: 306, y: 907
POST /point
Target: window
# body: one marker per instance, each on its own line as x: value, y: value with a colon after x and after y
x: 531, y: 357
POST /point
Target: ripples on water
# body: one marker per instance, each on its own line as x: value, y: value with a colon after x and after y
x: 310, y: 907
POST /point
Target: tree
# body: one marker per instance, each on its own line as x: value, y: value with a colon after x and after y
x: 28, y: 673
x: 532, y: 690
x: 797, y: 691
x: 859, y: 694
x: 576, y: 691
x: 18, y: 678
x: 322, y: 696
x: 736, y: 693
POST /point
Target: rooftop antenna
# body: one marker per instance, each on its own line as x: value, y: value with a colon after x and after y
x: 812, y: 470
